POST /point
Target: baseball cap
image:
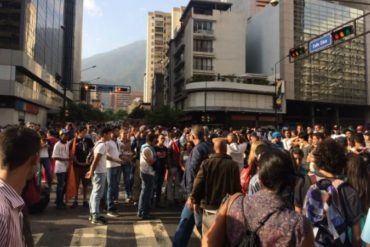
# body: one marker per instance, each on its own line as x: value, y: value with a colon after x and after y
x: 276, y: 134
x: 63, y: 132
x: 336, y: 127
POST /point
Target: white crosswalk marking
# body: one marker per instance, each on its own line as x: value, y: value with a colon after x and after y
x: 150, y: 233
x: 161, y: 234
x: 37, y: 237
x: 144, y: 234
x: 90, y: 236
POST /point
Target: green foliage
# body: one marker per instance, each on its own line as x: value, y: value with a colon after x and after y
x: 138, y: 113
x: 86, y: 113
x: 164, y: 116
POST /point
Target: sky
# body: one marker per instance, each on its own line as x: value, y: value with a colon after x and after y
x: 109, y: 24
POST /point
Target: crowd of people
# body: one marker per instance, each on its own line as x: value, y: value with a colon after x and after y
x: 298, y: 186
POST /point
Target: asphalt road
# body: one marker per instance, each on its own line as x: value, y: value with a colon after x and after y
x: 71, y: 227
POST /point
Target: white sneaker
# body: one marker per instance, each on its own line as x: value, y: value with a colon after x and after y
x: 113, y: 214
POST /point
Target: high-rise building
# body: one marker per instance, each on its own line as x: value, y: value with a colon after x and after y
x: 206, y: 75
x: 330, y: 87
x: 33, y: 72
x: 159, y: 34
x: 121, y: 101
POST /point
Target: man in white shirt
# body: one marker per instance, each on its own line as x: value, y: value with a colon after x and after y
x: 62, y: 158
x: 113, y: 172
x: 98, y: 176
x: 235, y: 150
x: 147, y: 173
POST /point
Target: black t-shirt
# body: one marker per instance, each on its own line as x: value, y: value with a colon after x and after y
x: 300, y: 190
x: 162, y: 157
x: 83, y: 147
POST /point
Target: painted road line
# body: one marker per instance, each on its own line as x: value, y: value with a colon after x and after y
x: 37, y: 237
x: 160, y: 232
x: 144, y: 234
x: 90, y: 236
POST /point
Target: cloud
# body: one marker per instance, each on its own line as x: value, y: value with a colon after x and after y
x: 92, y: 8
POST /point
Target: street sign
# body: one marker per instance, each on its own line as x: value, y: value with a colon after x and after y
x: 320, y: 43
x: 104, y: 88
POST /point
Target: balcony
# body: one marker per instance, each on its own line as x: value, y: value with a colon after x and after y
x: 203, y: 49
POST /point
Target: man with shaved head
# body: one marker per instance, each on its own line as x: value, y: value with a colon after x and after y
x: 217, y: 177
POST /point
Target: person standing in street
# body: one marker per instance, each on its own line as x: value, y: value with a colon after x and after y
x: 161, y: 166
x: 44, y: 159
x: 136, y: 146
x: 80, y: 165
x: 98, y: 176
x: 113, y: 172
x: 147, y: 174
x: 188, y: 218
x: 62, y: 158
x: 218, y: 176
x: 236, y: 149
x: 15, y: 169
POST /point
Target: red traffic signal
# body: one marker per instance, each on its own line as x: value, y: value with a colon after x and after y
x: 296, y: 52
x: 88, y: 87
x: 341, y: 33
x: 123, y: 89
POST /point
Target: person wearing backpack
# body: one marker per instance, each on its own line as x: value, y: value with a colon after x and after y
x: 332, y: 205
x: 266, y: 218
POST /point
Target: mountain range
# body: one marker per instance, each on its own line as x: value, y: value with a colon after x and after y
x: 122, y: 66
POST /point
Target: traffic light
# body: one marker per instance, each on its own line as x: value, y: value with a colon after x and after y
x: 88, y: 87
x: 296, y: 52
x: 123, y: 89
x: 341, y: 33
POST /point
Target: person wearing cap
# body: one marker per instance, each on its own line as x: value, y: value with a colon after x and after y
x: 62, y: 158
x: 337, y: 133
x: 276, y: 140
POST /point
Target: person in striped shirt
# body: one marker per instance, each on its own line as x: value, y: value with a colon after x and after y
x: 19, y: 157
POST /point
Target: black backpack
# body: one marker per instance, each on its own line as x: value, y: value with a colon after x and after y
x: 250, y: 237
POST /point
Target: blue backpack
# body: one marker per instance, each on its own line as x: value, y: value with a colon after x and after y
x: 321, y: 207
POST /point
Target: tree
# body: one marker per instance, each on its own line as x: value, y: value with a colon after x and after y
x: 138, y: 113
x: 164, y: 116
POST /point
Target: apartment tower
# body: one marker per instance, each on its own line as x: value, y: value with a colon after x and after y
x: 159, y: 34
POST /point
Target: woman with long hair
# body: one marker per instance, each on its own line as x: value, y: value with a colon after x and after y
x: 267, y: 213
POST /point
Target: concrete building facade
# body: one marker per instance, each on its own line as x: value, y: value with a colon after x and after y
x: 159, y: 34
x: 206, y: 75
x: 32, y: 69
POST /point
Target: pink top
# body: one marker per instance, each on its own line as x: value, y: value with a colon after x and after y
x: 11, y: 217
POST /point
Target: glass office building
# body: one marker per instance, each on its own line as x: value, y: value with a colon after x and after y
x: 38, y: 39
x: 336, y: 75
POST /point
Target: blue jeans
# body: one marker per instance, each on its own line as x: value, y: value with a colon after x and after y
x: 185, y: 227
x: 45, y: 162
x: 98, y: 185
x: 61, y: 187
x: 127, y: 177
x: 113, y: 175
x: 158, y: 183
x: 145, y: 194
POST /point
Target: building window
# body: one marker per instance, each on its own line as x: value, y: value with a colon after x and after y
x: 203, y: 26
x: 203, y: 45
x: 201, y: 63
